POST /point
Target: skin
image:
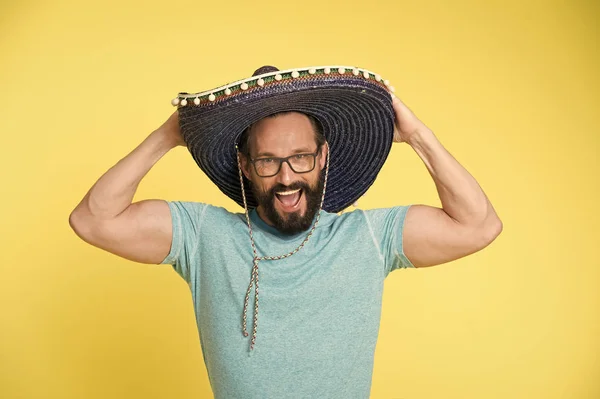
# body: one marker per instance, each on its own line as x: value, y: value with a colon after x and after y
x: 280, y: 137
x: 142, y: 231
x: 466, y: 222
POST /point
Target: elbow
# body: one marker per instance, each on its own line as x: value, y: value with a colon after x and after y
x: 79, y: 223
x: 75, y: 222
x: 495, y: 226
x: 490, y: 231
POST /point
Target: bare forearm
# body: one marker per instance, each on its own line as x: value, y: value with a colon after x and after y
x: 461, y: 196
x: 114, y: 191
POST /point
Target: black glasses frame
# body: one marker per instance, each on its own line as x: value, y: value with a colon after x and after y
x: 286, y: 160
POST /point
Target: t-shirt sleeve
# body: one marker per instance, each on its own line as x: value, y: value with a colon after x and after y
x: 387, y: 228
x: 187, y: 222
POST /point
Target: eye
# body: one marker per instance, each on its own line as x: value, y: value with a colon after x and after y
x: 267, y: 160
x: 300, y: 156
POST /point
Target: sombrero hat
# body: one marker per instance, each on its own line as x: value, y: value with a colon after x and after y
x: 352, y: 105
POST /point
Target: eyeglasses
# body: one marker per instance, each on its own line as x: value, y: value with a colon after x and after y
x: 299, y: 163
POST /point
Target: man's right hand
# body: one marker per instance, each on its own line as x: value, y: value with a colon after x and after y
x: 107, y: 218
x: 171, y: 130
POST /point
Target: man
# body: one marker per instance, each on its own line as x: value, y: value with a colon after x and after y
x: 293, y: 148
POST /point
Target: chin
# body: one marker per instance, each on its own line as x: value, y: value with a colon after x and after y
x: 288, y: 215
x: 291, y: 222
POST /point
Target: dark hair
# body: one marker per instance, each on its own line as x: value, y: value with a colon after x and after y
x: 244, y: 147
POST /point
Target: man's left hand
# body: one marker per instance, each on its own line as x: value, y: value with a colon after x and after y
x: 407, y: 125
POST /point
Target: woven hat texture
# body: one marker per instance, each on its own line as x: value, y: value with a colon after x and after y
x: 352, y: 105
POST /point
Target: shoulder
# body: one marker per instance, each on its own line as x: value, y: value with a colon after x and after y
x: 201, y: 211
x: 374, y: 216
x: 358, y: 220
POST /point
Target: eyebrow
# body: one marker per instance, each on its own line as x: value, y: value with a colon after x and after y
x: 301, y: 150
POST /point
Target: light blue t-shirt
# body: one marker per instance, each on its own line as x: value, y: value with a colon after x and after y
x: 319, y: 310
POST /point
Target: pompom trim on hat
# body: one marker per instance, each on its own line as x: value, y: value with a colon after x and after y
x: 275, y: 77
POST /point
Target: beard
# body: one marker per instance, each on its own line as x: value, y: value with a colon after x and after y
x: 295, y: 222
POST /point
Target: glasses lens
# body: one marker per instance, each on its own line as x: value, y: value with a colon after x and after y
x: 302, y: 162
x: 267, y: 166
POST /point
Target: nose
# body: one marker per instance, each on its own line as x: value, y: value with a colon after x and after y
x: 285, y: 175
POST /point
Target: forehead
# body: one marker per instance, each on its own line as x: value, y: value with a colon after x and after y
x: 282, y: 135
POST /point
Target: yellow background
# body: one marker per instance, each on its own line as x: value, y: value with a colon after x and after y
x: 510, y: 88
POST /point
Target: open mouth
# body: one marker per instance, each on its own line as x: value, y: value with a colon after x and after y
x: 289, y: 199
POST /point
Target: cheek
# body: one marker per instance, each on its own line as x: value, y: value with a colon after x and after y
x: 314, y: 178
x: 263, y: 185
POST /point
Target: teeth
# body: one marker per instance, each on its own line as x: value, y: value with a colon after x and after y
x: 288, y: 192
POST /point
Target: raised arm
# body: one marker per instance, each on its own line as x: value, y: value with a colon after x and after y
x: 106, y: 217
x: 467, y: 221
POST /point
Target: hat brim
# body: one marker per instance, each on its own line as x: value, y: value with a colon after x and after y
x: 356, y: 116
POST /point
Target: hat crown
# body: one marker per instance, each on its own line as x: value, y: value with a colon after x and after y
x: 265, y: 69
